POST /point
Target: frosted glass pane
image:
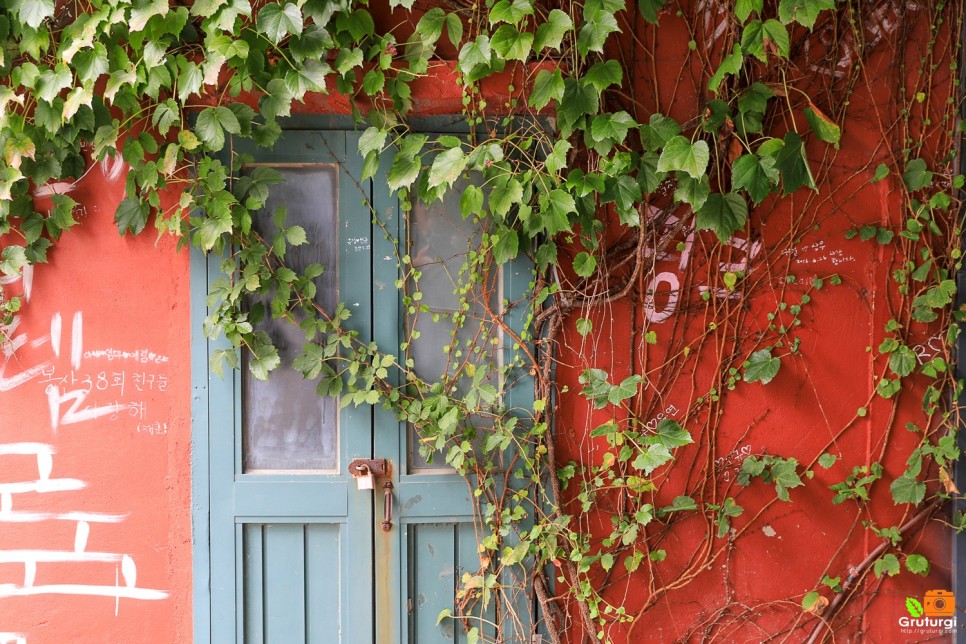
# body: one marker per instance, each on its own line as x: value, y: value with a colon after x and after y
x: 440, y: 243
x: 286, y: 425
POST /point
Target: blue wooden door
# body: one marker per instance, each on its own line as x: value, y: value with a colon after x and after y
x: 296, y: 553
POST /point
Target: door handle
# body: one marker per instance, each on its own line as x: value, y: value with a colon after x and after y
x: 387, y: 506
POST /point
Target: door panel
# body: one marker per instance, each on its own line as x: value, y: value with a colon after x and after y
x: 297, y: 562
x: 297, y: 553
x: 287, y: 527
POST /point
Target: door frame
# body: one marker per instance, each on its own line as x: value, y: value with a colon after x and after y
x: 516, y: 282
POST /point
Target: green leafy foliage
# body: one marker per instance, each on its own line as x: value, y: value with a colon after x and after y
x: 174, y: 89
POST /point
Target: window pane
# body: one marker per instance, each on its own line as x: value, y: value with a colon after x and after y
x: 286, y: 425
x: 440, y: 245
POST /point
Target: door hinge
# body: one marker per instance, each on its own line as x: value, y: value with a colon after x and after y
x: 409, y: 605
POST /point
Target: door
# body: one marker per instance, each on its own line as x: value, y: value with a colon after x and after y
x: 297, y: 553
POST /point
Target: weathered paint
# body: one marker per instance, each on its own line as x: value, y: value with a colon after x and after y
x: 753, y: 587
x: 131, y: 295
x: 94, y: 475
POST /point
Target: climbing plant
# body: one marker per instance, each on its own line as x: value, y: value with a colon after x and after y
x: 604, y: 173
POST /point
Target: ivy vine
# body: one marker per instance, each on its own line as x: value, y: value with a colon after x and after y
x: 600, y: 170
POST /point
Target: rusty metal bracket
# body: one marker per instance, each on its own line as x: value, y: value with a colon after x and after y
x: 378, y: 466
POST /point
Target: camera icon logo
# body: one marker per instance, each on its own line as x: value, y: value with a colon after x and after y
x: 938, y: 603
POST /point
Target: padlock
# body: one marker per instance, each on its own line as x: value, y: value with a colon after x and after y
x: 367, y: 480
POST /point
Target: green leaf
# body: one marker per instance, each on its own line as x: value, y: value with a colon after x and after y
x: 585, y: 264
x: 511, y: 12
x: 34, y: 12
x: 653, y: 457
x: 778, y: 34
x: 295, y: 236
x: 403, y: 171
x: 743, y: 8
x: 808, y: 601
x: 680, y: 154
x: 658, y: 131
x: 504, y: 195
x: 52, y: 82
x: 730, y: 65
x: 649, y: 9
x: 881, y: 172
x: 757, y: 176
x: 752, y: 40
x: 454, y: 29
x: 824, y: 128
x: 761, y: 367
x: 887, y: 565
x: 916, y: 175
x: 584, y: 326
x: 784, y: 475
x: 447, y: 167
x: 474, y: 56
x: 906, y: 489
x: 131, y: 214
x: 144, y: 11
x: 512, y: 44
x: 578, y: 100
x: 372, y: 140
x: 430, y: 26
x: 600, y: 76
x: 611, y: 127
x: 547, y: 86
x: 607, y: 561
x: 277, y: 21
x: 61, y: 215
x: 826, y: 460
x: 903, y: 361
x: 263, y: 359
x: 557, y: 159
x: 348, y: 59
x: 556, y: 207
x: 552, y: 31
x: 471, y: 202
x: 212, y: 124
x: 804, y: 12
x: 670, y: 434
x: 694, y: 192
x: 595, y: 30
x: 14, y: 258
x: 506, y: 246
x: 793, y: 166
x: 647, y: 175
x: 918, y: 565
x: 724, y: 214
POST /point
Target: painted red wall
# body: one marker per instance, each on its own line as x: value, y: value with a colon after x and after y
x: 750, y: 584
x: 99, y: 414
x: 95, y: 539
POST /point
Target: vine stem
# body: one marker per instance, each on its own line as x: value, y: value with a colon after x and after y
x: 857, y: 572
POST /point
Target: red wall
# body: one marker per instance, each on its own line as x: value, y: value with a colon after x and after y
x: 750, y: 584
x: 95, y: 543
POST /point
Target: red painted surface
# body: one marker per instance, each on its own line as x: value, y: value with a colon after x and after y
x: 133, y: 461
x: 753, y: 584
x: 96, y: 408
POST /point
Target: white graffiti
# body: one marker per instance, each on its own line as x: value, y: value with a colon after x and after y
x: 56, y: 368
x: 729, y: 466
x: 668, y: 283
x: 881, y: 23
x: 123, y: 565
x: 818, y: 253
